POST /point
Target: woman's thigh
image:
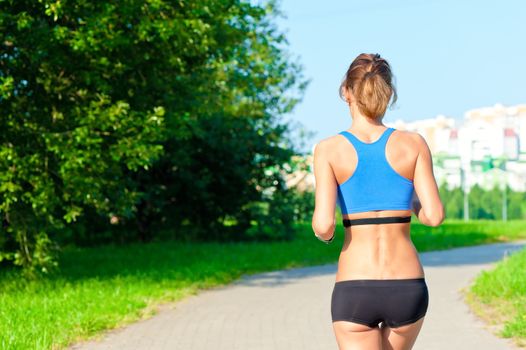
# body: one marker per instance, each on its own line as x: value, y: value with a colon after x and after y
x: 356, y: 336
x: 402, y: 337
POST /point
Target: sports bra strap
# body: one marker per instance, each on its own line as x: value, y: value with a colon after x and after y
x: 358, y: 144
x: 378, y: 220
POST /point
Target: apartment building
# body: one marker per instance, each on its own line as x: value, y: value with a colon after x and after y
x: 486, y: 145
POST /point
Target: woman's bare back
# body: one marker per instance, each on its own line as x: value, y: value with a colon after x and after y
x: 377, y: 251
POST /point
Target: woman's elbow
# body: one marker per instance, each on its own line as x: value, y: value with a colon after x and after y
x: 437, y: 216
x: 323, y: 227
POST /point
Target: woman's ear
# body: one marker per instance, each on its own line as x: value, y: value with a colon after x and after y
x: 347, y: 94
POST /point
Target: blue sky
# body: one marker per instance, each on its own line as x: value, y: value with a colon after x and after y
x: 447, y: 56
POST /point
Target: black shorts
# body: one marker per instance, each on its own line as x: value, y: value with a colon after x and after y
x: 395, y: 302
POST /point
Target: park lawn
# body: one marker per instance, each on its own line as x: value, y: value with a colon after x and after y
x: 499, y: 297
x: 110, y: 286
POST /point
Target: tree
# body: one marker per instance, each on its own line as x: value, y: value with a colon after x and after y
x: 226, y: 144
x: 137, y: 112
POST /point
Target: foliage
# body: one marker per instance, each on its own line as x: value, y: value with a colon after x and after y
x: 68, y: 141
x: 499, y: 296
x: 483, y: 204
x: 132, y: 115
x: 283, y: 206
x: 226, y: 145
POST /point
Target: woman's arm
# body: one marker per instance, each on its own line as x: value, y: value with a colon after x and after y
x: 426, y: 202
x: 324, y: 219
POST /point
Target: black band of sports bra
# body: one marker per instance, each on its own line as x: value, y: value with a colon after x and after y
x: 381, y: 220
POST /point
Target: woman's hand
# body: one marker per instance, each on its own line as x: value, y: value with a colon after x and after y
x: 326, y: 241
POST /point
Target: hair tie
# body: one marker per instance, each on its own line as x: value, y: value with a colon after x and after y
x: 368, y: 74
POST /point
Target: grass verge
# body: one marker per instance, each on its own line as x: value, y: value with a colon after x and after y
x: 498, y: 296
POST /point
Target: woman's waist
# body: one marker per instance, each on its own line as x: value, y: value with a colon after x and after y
x: 371, y: 267
x: 373, y: 236
x: 396, y: 249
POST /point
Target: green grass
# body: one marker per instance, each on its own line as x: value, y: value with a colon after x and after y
x: 499, y: 297
x: 105, y: 287
x: 457, y: 233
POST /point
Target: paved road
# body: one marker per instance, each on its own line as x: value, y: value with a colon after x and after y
x: 290, y: 309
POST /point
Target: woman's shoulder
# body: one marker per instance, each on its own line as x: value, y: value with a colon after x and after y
x: 410, y: 138
x: 326, y: 145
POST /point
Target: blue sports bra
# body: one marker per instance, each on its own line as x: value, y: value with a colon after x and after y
x: 374, y: 185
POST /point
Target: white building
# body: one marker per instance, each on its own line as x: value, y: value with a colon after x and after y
x: 485, y: 136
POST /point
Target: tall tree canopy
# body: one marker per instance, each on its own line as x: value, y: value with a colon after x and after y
x: 140, y: 114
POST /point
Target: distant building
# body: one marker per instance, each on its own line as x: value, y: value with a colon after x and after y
x: 486, y: 145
